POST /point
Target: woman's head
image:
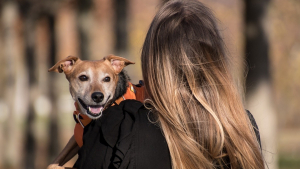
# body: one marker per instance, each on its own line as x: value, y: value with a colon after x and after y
x: 183, y: 46
x: 187, y: 80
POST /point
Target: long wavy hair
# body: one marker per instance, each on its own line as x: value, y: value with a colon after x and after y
x: 189, y: 87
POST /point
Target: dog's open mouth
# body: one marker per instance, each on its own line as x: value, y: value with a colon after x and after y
x: 93, y: 110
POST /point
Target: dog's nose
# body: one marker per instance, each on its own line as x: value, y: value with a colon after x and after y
x: 97, y: 97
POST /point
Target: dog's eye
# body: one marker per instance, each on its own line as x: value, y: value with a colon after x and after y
x: 106, y: 79
x: 83, y: 78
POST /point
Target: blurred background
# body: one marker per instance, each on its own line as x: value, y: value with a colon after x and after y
x: 263, y: 37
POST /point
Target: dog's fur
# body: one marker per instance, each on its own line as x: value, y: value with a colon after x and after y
x: 121, y: 85
x: 87, y: 82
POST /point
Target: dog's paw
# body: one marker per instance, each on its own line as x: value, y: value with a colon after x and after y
x: 55, y: 166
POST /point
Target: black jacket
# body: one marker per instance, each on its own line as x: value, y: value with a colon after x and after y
x: 126, y: 137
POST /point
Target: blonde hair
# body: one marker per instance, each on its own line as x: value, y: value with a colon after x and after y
x: 193, y: 94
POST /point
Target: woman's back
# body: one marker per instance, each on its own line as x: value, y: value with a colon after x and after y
x: 129, y: 138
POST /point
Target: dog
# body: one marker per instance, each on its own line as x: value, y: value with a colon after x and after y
x: 94, y: 86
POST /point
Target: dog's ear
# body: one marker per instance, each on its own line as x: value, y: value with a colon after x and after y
x: 64, y: 65
x: 117, y: 62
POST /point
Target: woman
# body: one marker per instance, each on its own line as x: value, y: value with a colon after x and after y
x: 200, y: 112
x: 193, y: 117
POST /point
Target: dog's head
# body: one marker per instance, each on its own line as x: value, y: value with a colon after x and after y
x: 92, y: 83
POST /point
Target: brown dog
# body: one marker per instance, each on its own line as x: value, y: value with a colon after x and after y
x: 94, y: 85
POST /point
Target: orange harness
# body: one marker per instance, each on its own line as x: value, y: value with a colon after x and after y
x: 135, y: 92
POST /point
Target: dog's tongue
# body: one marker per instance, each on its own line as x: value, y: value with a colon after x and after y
x: 95, y: 110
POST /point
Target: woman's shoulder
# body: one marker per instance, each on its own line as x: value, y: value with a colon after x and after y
x: 150, y: 146
x: 143, y: 118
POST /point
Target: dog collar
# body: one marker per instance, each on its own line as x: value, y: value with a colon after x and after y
x: 130, y: 94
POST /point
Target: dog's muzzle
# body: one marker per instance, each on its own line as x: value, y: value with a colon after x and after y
x: 93, y: 110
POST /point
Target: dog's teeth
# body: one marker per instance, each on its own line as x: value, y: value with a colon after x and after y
x: 90, y: 109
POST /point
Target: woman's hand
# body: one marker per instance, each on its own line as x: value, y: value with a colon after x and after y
x: 55, y: 166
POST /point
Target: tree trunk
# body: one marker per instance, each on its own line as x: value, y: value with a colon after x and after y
x: 259, y: 85
x: 121, y: 33
x: 30, y: 142
x: 16, y: 87
x: 54, y: 146
x: 84, y: 27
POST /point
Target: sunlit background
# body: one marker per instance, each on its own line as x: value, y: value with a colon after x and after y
x: 36, y: 108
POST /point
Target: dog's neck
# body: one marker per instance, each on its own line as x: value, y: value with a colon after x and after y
x: 122, y: 85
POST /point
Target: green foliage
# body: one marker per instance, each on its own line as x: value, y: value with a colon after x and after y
x: 289, y: 162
